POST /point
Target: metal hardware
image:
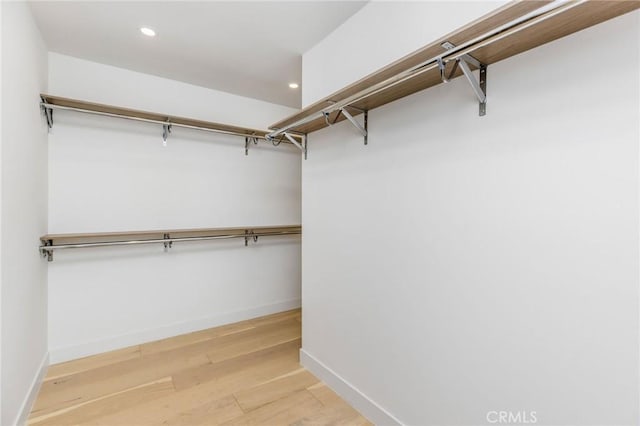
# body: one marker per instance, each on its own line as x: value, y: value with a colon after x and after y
x: 479, y: 87
x: 337, y: 116
x: 448, y: 45
x: 304, y: 144
x: 475, y: 85
x: 47, y: 253
x: 466, y: 57
x: 50, y: 107
x: 470, y: 60
x: 362, y: 129
x: 249, y: 234
x: 167, y: 245
x: 335, y: 119
x: 443, y: 67
x: 526, y: 21
x: 47, y: 248
x: 366, y: 127
x: 48, y: 113
x: 166, y: 130
x: 483, y: 86
x: 443, y: 70
x: 248, y: 139
x: 293, y: 141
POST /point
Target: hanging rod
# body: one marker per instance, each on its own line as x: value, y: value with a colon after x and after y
x: 48, y: 247
x: 539, y: 15
x: 148, y: 120
x: 165, y: 240
x: 49, y: 103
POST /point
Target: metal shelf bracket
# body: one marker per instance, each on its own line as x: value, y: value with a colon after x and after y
x: 249, y: 234
x: 299, y: 143
x: 294, y: 141
x: 47, y: 253
x: 48, y: 113
x: 247, y: 141
x: 442, y: 66
x: 479, y: 86
x: 362, y: 128
x: 166, y: 130
x: 304, y: 144
x: 168, y: 244
x: 335, y: 119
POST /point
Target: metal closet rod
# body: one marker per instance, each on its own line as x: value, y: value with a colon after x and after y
x: 512, y: 27
x: 149, y: 120
x: 165, y: 241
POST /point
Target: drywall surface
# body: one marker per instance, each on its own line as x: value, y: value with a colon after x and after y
x: 113, y: 175
x: 0, y: 216
x: 459, y: 266
x: 387, y: 31
x: 1, y: 34
x: 91, y: 81
x: 23, y: 212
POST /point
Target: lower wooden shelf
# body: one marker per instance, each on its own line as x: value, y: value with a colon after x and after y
x: 52, y: 242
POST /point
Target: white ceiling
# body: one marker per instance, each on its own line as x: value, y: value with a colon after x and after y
x: 247, y: 48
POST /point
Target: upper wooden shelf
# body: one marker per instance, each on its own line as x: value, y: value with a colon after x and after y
x: 79, y: 105
x: 506, y: 43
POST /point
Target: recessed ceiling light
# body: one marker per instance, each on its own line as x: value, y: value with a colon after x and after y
x: 148, y: 32
x: 293, y: 85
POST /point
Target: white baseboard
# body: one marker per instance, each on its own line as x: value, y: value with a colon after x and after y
x: 68, y: 353
x: 31, y: 396
x: 368, y: 408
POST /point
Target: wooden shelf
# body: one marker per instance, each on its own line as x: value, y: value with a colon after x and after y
x: 497, y: 48
x: 54, y: 240
x: 79, y: 105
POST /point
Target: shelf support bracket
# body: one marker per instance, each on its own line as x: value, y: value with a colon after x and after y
x: 335, y: 119
x: 479, y: 86
x: 169, y: 244
x: 294, y: 141
x: 363, y: 129
x: 301, y: 145
x: 304, y: 145
x: 48, y: 114
x: 249, y: 234
x: 166, y: 130
x: 442, y: 66
x: 47, y: 253
x: 247, y: 141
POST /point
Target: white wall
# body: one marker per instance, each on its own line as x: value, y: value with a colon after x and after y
x: 1, y: 214
x: 23, y: 213
x: 112, y: 175
x: 389, y: 30
x: 76, y: 78
x: 461, y: 264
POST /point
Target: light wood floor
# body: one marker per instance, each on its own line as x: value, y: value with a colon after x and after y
x: 240, y: 374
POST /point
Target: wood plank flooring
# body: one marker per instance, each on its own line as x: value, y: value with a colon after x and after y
x: 246, y: 373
